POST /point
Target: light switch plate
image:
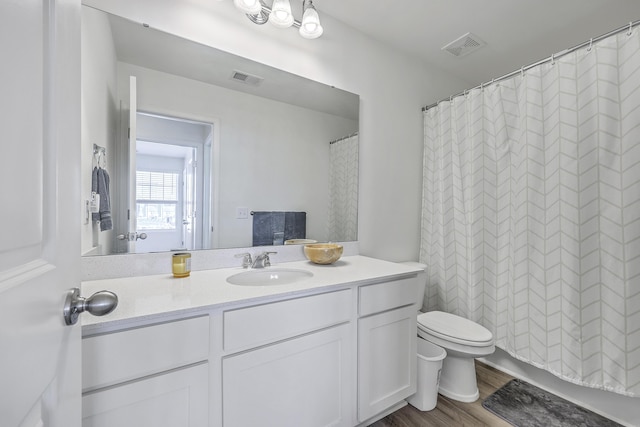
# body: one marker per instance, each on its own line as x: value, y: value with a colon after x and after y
x: 242, y: 213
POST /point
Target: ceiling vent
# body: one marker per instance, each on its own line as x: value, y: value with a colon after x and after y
x: 464, y: 45
x: 246, y: 78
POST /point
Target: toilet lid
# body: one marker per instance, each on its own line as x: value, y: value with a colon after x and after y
x: 454, y: 328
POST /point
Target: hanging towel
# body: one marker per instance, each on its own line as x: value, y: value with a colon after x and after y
x: 264, y: 225
x: 295, y: 225
x: 292, y: 225
x: 100, y: 186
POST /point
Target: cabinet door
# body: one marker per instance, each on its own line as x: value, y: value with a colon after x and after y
x: 386, y: 360
x: 114, y: 358
x: 302, y: 382
x: 176, y: 398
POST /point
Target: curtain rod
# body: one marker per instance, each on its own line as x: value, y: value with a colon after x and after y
x: 553, y: 57
x: 343, y: 138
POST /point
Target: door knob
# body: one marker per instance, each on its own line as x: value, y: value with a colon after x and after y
x: 131, y: 237
x: 98, y: 304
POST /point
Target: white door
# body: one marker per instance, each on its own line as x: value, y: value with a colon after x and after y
x: 40, y: 211
x: 124, y: 196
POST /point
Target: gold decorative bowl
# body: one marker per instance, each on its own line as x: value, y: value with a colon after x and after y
x: 323, y: 253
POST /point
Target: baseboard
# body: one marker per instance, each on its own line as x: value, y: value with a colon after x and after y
x: 383, y: 414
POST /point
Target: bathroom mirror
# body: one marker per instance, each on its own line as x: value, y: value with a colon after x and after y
x: 217, y: 138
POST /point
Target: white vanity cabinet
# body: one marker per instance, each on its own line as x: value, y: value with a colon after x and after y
x: 337, y: 350
x: 386, y: 345
x: 151, y: 376
x: 297, y: 365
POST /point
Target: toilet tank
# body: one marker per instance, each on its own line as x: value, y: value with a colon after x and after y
x: 422, y: 282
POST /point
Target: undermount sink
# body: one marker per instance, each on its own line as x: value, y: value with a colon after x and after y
x: 269, y: 276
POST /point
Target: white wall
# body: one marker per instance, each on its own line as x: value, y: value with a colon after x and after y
x: 392, y: 87
x: 272, y: 156
x: 99, y: 119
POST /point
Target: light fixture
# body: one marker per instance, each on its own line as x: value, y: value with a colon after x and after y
x: 261, y: 17
x: 279, y: 14
x: 251, y: 7
x: 310, y: 27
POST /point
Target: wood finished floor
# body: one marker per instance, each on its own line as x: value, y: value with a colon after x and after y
x: 449, y: 413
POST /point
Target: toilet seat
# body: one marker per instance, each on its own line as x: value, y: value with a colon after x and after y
x: 454, y: 328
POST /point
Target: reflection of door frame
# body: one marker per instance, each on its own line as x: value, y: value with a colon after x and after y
x: 210, y: 233
x: 213, y: 188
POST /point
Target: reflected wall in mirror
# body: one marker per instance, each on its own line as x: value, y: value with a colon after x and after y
x: 210, y: 137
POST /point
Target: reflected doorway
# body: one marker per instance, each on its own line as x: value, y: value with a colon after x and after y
x: 172, y: 183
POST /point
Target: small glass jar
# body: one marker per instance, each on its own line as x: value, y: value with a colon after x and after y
x: 181, y: 264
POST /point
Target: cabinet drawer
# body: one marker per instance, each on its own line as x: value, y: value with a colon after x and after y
x: 388, y: 295
x: 121, y: 356
x: 253, y: 326
x: 177, y: 398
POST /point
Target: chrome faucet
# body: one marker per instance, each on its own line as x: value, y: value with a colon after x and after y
x: 262, y: 260
x: 246, y: 259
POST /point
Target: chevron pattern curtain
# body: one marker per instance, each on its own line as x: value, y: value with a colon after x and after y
x: 531, y: 213
x: 343, y: 190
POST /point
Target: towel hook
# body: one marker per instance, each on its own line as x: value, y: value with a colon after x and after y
x: 99, y: 154
x: 96, y: 158
x: 590, y: 45
x: 553, y: 59
x: 630, y: 32
x: 102, y: 162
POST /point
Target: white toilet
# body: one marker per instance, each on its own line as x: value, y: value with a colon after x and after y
x: 463, y: 339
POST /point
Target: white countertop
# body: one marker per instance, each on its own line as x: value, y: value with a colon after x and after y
x: 160, y: 295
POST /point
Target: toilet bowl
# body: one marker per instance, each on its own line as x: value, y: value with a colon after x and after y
x: 463, y: 339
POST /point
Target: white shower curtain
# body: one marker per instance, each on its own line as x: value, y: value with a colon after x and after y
x: 343, y: 190
x: 531, y: 213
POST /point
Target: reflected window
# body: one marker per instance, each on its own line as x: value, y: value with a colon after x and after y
x: 156, y: 200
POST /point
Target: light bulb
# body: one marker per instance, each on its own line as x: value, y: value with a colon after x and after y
x: 252, y: 7
x: 310, y: 27
x: 281, y: 15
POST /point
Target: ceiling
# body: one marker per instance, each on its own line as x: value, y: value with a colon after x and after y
x: 516, y: 32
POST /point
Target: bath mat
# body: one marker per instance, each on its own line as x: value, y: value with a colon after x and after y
x: 524, y: 405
